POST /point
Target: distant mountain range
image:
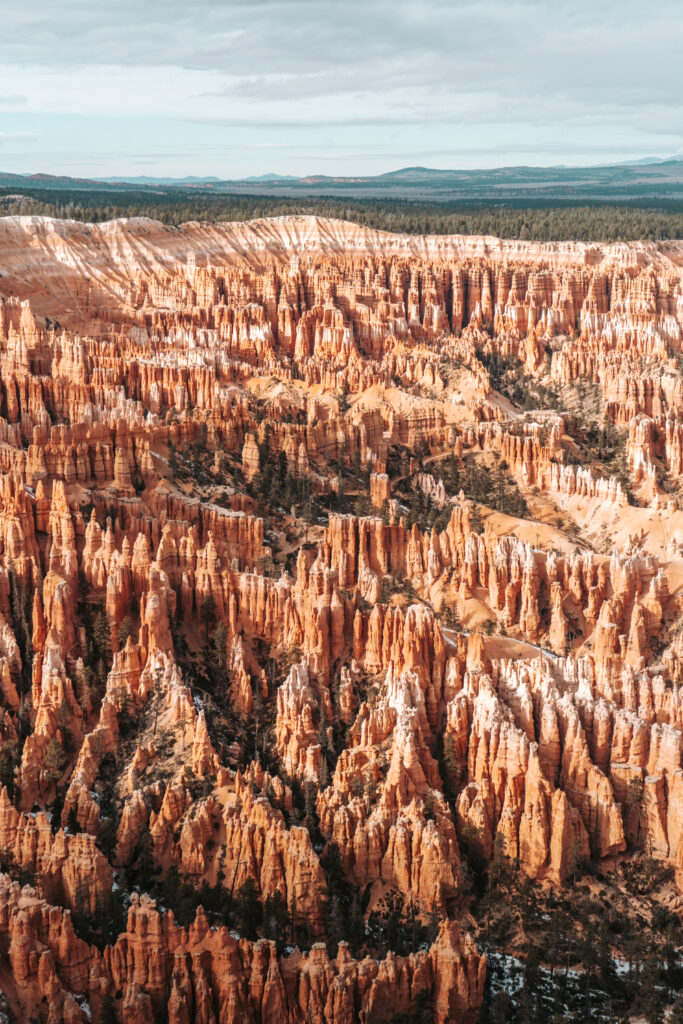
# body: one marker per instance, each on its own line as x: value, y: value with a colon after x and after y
x: 650, y: 160
x: 191, y: 180
x: 650, y: 178
x: 144, y: 179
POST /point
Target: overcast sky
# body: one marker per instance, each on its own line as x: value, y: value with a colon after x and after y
x: 217, y: 87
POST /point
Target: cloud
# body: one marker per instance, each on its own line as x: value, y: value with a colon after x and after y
x: 317, y: 121
x: 524, y: 71
x: 18, y: 136
x: 291, y: 49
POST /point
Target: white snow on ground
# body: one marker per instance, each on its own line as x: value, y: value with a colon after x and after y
x: 506, y: 973
x: 84, y: 1006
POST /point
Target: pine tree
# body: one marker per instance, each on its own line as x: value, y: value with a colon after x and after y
x: 476, y: 521
x: 219, y: 645
x: 248, y: 909
x: 101, y: 635
x: 207, y: 612
x: 276, y: 919
x: 651, y: 993
x: 356, y: 930
x: 55, y: 760
x: 499, y: 485
x: 9, y: 757
x: 107, y: 1014
x: 452, y: 768
x: 264, y: 450
x: 72, y: 821
x: 125, y: 630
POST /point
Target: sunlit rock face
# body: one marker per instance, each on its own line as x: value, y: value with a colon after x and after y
x: 333, y: 564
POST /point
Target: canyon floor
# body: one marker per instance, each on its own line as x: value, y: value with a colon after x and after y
x: 341, y: 626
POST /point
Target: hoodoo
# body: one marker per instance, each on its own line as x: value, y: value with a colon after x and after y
x: 341, y: 606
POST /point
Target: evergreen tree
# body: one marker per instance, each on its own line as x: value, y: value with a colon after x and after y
x: 207, y: 612
x: 101, y: 635
x: 651, y: 993
x: 453, y: 771
x: 219, y: 647
x: 276, y: 919
x: 126, y: 629
x: 248, y: 909
x: 107, y: 1014
x: 55, y: 760
x: 502, y: 1008
x: 72, y: 822
x: 476, y: 521
x: 9, y: 758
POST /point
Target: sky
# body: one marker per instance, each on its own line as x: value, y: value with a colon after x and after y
x: 225, y: 88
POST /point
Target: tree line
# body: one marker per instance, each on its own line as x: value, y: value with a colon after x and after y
x: 535, y: 220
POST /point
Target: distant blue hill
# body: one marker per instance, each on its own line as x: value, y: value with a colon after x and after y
x: 144, y: 179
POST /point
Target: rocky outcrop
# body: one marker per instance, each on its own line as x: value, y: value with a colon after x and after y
x: 155, y: 962
x: 315, y: 585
